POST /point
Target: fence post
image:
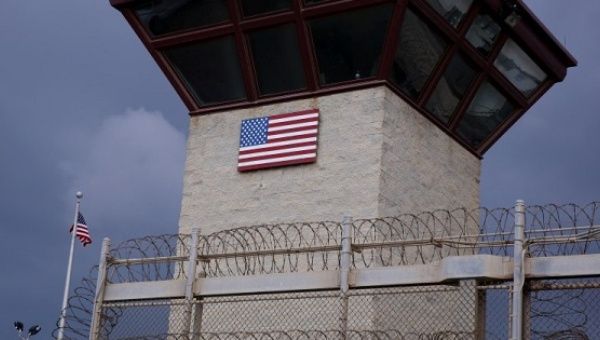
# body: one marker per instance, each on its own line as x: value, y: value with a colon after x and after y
x: 345, y: 263
x: 100, y: 287
x: 518, y: 272
x: 189, y: 284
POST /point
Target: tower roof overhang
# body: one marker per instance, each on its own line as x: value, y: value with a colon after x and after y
x: 473, y: 67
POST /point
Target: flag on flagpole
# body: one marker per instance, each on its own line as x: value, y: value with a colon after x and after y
x: 82, y: 231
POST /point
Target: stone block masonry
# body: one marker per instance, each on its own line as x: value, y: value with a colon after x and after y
x: 377, y: 156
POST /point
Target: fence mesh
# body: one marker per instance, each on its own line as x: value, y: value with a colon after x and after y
x: 563, y: 309
x: 317, y: 311
x: 143, y: 319
x: 450, y: 311
x: 388, y: 313
x: 557, y: 309
x: 494, y: 304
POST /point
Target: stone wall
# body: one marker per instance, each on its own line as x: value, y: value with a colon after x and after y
x: 423, y: 169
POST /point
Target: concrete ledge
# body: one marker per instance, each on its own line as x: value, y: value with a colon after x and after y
x: 268, y: 283
x: 449, y: 269
x: 171, y: 289
x: 562, y: 266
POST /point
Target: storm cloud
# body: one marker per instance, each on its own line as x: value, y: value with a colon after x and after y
x: 70, y: 72
x: 133, y: 165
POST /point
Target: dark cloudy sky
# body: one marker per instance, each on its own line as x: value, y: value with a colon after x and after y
x: 83, y: 106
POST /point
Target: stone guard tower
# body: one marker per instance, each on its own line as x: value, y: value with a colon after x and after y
x: 408, y: 95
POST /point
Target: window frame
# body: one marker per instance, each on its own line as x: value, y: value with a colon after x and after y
x: 526, y: 34
x: 253, y: 64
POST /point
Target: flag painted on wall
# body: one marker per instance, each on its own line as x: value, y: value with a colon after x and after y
x: 278, y: 140
x: 82, y: 232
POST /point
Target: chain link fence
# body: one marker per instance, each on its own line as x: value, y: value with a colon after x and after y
x: 564, y: 309
x: 557, y: 309
x: 386, y: 313
x: 467, y: 310
x: 470, y: 308
x: 494, y: 303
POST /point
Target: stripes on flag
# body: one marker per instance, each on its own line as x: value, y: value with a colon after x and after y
x: 82, y: 232
x: 278, y: 140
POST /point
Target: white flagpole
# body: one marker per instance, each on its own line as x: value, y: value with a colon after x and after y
x: 63, y: 310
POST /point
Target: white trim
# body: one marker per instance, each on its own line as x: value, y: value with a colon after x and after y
x: 287, y: 142
x: 293, y: 126
x: 280, y: 159
x: 292, y: 134
x: 276, y: 152
x: 293, y: 118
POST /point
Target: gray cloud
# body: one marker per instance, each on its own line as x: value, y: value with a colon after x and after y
x: 132, y: 170
x: 129, y: 165
x: 550, y: 155
x: 70, y: 68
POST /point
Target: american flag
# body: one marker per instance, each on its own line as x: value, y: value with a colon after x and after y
x: 278, y: 140
x: 81, y: 231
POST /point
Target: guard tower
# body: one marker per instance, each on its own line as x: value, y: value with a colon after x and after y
x: 401, y: 99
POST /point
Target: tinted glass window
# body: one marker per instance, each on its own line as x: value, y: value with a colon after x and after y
x: 488, y: 109
x: 277, y: 59
x: 452, y: 10
x: 419, y: 50
x: 166, y: 16
x: 209, y: 69
x: 348, y: 45
x: 450, y: 88
x: 483, y: 34
x: 519, y: 69
x: 254, y: 7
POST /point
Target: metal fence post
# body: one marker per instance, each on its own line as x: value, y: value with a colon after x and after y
x: 519, y: 271
x: 345, y: 263
x: 100, y: 287
x: 189, y: 285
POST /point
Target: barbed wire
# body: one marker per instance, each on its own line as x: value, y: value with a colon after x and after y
x: 157, y: 247
x: 267, y: 249
x: 406, y: 239
x: 567, y: 229
x: 80, y: 309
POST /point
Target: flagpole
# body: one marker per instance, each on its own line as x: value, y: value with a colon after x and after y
x: 63, y: 310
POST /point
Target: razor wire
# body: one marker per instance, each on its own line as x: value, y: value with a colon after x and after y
x: 551, y: 230
x: 80, y: 309
x: 407, y: 239
x: 166, y: 251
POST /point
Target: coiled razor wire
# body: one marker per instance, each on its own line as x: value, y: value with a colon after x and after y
x: 551, y: 230
x: 80, y: 309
